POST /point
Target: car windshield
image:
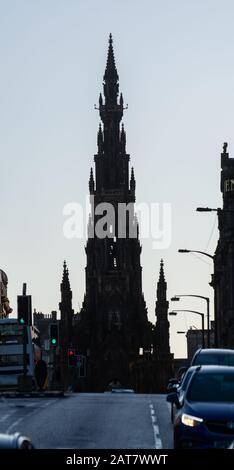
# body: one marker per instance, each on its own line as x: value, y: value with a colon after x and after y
x: 214, y: 359
x: 215, y: 387
x: 186, y: 378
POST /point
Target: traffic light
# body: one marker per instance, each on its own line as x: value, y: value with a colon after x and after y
x: 24, y: 309
x: 54, y: 334
x: 72, y: 358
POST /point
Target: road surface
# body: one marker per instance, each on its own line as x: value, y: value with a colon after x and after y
x: 90, y: 421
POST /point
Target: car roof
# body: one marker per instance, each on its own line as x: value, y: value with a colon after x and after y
x: 190, y: 369
x: 215, y: 351
x: 211, y: 369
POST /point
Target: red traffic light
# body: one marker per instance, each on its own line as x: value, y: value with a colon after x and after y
x: 71, y: 357
x: 71, y: 352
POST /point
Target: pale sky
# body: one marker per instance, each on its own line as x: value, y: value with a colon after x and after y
x: 175, y: 60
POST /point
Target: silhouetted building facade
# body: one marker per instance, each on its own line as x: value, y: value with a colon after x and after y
x: 194, y: 340
x: 223, y: 278
x: 42, y: 322
x: 114, y: 323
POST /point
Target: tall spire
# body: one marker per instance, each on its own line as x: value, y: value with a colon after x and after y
x: 111, y: 71
x: 162, y: 336
x: 111, y: 78
x: 162, y: 285
x: 65, y: 280
x: 161, y: 272
x: 111, y: 160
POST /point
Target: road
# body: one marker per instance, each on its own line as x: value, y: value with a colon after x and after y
x: 90, y: 421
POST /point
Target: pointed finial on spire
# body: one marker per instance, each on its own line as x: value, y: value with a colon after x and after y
x: 161, y: 273
x: 100, y: 139
x: 225, y: 144
x: 132, y: 181
x: 121, y: 99
x: 111, y: 71
x: 123, y: 139
x: 65, y: 280
x: 91, y: 182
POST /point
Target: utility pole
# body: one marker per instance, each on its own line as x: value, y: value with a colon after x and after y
x: 24, y: 341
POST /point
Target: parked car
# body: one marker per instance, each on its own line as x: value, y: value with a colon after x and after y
x: 222, y: 357
x: 205, y: 412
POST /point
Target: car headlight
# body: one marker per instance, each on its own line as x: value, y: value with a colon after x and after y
x: 189, y: 420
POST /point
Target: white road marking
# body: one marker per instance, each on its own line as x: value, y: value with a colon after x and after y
x: 14, y: 424
x: 45, y: 404
x: 169, y: 407
x: 4, y: 418
x: 157, y: 438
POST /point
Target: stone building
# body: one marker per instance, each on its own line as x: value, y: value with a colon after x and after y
x: 223, y: 278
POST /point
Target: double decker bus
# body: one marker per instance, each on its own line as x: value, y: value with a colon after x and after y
x: 12, y: 337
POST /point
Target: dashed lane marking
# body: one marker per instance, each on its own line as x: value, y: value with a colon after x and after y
x: 157, y: 438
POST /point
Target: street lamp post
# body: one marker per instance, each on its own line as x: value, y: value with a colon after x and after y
x: 208, y: 209
x: 214, y: 280
x: 177, y: 297
x: 183, y: 250
x: 174, y: 312
x: 208, y: 305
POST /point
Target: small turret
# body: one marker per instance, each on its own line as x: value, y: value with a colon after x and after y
x: 91, y: 182
x: 121, y: 101
x: 100, y: 100
x: 100, y: 139
x: 123, y: 139
x: 132, y: 181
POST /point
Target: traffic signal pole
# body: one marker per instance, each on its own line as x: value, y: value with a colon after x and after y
x: 24, y: 319
x: 24, y: 339
x: 24, y: 351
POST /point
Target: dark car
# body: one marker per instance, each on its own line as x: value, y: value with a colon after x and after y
x: 205, y: 412
x: 180, y: 388
x: 216, y: 357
